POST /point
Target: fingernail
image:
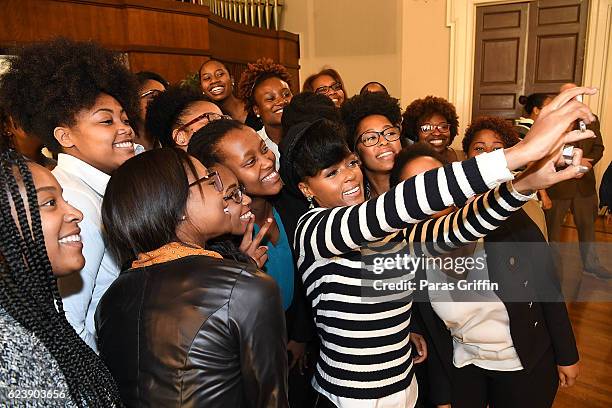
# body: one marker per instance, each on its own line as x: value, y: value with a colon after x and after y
x: 269, y: 220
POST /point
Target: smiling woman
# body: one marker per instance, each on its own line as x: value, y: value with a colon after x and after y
x: 265, y: 89
x: 80, y: 99
x: 184, y: 325
x: 434, y: 121
x: 41, y: 241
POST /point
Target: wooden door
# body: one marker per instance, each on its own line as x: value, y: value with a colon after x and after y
x: 523, y: 48
x: 557, y: 31
x: 501, y: 35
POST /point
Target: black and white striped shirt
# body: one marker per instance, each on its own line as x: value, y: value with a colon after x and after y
x: 365, y: 350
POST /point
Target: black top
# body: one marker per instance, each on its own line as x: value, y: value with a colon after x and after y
x: 197, y: 332
x: 524, y: 269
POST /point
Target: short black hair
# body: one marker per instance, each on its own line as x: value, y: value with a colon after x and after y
x: 421, y: 109
x: 364, y: 89
x: 48, y: 83
x: 355, y: 109
x: 408, y: 154
x: 506, y: 132
x: 203, y: 143
x: 144, y: 202
x: 165, y: 110
x: 535, y: 100
x: 144, y: 76
x: 322, y: 145
x: 308, y: 107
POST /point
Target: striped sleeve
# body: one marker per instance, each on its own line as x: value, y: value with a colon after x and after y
x: 335, y: 231
x: 468, y: 224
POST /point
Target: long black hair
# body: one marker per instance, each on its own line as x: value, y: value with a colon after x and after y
x: 29, y: 292
x: 144, y: 202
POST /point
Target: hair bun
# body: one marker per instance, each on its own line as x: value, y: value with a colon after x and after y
x: 522, y: 100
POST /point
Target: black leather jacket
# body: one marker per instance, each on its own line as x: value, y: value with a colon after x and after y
x: 195, y: 332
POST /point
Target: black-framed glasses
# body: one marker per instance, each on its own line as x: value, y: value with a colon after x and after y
x: 371, y: 137
x: 324, y: 90
x: 428, y: 128
x: 216, y: 179
x: 206, y: 116
x: 151, y: 93
x: 236, y: 194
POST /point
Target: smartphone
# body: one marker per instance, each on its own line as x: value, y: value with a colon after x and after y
x: 581, y: 123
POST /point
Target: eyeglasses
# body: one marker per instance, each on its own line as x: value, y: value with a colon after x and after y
x: 150, y: 94
x: 428, y: 128
x: 206, y: 116
x: 218, y: 184
x: 324, y: 90
x: 372, y: 137
x: 236, y: 194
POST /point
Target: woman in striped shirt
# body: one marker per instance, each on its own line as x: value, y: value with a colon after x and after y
x: 365, y: 352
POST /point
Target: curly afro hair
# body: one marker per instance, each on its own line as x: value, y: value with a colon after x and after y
x: 422, y: 109
x: 358, y: 107
x: 165, y: 110
x: 49, y: 82
x: 504, y: 130
x: 256, y: 73
x: 308, y: 107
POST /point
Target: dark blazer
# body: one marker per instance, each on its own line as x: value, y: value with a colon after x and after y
x: 300, y: 323
x: 521, y: 270
x: 195, y: 332
x: 585, y: 186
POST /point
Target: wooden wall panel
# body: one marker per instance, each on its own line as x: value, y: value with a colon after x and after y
x: 167, y: 29
x: 165, y: 36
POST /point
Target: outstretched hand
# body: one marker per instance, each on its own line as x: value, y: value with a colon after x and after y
x: 543, y: 173
x: 548, y: 133
x: 250, y: 245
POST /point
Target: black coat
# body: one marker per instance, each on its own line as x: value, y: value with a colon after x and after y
x: 524, y: 270
x: 197, y: 332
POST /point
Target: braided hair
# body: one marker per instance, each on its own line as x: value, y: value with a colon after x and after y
x: 29, y: 292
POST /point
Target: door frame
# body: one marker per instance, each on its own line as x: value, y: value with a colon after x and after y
x: 461, y: 19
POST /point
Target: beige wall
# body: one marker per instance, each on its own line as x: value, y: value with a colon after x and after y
x: 395, y: 42
x: 406, y: 44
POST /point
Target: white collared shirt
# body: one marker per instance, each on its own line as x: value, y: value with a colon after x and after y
x: 84, y: 187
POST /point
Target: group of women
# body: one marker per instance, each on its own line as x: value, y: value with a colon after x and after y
x: 223, y: 266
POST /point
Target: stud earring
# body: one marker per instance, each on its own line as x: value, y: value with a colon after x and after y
x: 311, y: 206
x: 183, y: 218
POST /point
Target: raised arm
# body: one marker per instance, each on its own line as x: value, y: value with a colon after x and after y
x: 330, y: 232
x: 471, y: 222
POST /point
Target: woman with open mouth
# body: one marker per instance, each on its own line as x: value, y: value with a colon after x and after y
x: 434, y: 121
x: 217, y: 84
x: 239, y: 148
x: 327, y: 82
x: 365, y: 353
x: 41, y: 241
x: 85, y: 115
x: 185, y: 325
x: 373, y: 124
x: 265, y: 89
